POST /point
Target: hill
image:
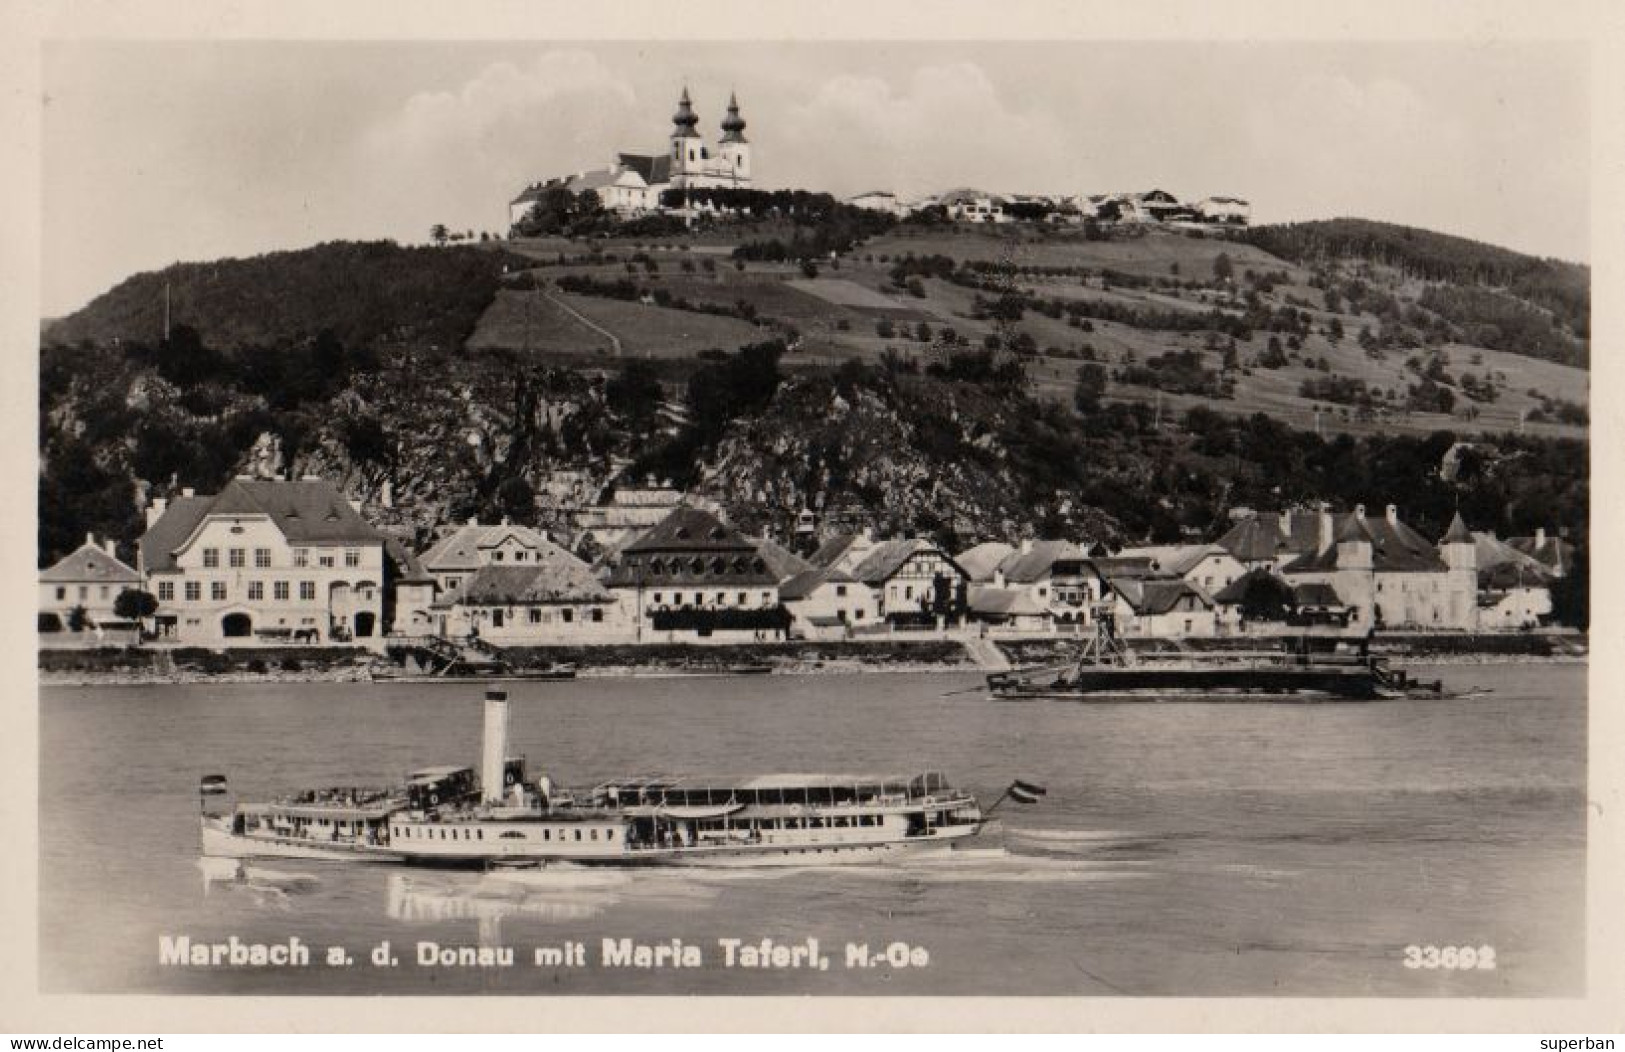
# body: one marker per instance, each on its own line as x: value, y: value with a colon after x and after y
x: 361, y: 292
x: 971, y: 381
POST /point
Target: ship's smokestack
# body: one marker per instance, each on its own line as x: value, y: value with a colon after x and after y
x: 496, y: 746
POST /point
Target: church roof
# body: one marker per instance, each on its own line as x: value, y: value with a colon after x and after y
x: 685, y: 119
x: 733, y: 125
x: 654, y: 169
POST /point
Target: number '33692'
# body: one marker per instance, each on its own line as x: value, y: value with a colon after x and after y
x: 1451, y: 958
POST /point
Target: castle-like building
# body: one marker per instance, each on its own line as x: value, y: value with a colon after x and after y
x: 633, y: 183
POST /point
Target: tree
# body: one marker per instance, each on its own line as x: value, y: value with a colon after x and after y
x: 1091, y: 385
x: 439, y: 233
x: 132, y: 604
x: 78, y: 620
x: 1223, y: 269
x: 517, y: 500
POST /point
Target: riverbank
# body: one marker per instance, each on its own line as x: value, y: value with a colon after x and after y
x: 137, y: 666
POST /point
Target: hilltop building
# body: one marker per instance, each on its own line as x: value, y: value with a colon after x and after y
x: 633, y: 183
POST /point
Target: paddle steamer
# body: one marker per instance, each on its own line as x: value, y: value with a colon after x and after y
x: 453, y: 816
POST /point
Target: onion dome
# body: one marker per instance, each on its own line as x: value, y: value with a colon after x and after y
x: 684, y: 119
x: 733, y: 125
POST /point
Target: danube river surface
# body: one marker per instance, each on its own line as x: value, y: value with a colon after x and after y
x: 1183, y: 849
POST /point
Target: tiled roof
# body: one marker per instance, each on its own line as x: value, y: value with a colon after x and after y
x: 1173, y: 560
x: 654, y: 169
x: 408, y: 567
x: 1555, y: 552
x: 981, y: 560
x: 1038, y: 561
x: 1255, y: 539
x: 830, y: 552
x: 781, y: 562
x: 1117, y: 567
x: 89, y: 563
x: 559, y: 578
x: 889, y: 556
x: 461, y: 548
x: 691, y: 547
x: 1004, y: 602
x: 307, y: 512
x: 1316, y: 593
x: 1157, y: 597
x: 807, y: 582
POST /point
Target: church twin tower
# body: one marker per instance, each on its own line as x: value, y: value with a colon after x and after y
x: 694, y: 165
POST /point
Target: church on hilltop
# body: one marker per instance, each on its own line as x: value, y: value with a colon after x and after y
x: 634, y: 182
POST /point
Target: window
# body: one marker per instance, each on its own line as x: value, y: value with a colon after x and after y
x: 62, y: 593
x: 535, y: 616
x: 262, y: 558
x: 597, y: 615
x: 741, y: 598
x: 256, y: 591
x: 166, y: 591
x: 194, y: 591
x: 840, y: 589
x: 301, y: 556
x: 217, y: 591
x: 657, y: 597
x: 102, y: 592
x: 352, y: 557
x: 567, y: 615
x: 211, y: 558
x: 279, y: 591
x: 496, y: 557
x: 307, y: 591
x: 238, y: 558
x: 324, y: 560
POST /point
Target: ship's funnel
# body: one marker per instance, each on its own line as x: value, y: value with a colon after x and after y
x: 496, y: 746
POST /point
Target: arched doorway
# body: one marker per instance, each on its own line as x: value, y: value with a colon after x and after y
x: 236, y: 626
x: 363, y: 623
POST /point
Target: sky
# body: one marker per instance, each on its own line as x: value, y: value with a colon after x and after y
x: 183, y: 151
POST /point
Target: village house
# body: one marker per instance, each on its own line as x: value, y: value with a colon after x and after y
x: 1209, y: 567
x: 461, y: 551
x: 1386, y: 573
x: 693, y: 578
x: 1556, y: 553
x: 826, y: 603
x: 409, y: 591
x: 1262, y: 602
x: 627, y: 512
x: 88, y: 579
x: 547, y: 597
x: 915, y: 583
x: 973, y: 206
x: 1168, y: 608
x: 263, y: 560
x: 1514, y: 587
x: 1059, y: 584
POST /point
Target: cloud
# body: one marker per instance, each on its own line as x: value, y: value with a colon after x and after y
x: 946, y: 127
x: 457, y: 156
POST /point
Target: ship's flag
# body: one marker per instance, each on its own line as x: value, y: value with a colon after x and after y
x: 1026, y: 792
x: 211, y: 785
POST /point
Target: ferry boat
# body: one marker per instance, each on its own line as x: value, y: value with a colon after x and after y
x: 451, y: 816
x: 1104, y: 670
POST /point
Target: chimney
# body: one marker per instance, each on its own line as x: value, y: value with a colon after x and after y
x: 155, y: 511
x: 1393, y: 515
x: 998, y: 577
x: 112, y: 548
x: 496, y: 746
x: 868, y: 535
x: 90, y: 540
x: 1286, y: 523
x: 473, y: 520
x: 1540, y: 537
x: 188, y: 492
x: 1324, y: 523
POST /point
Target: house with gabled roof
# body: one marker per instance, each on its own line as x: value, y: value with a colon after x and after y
x: 551, y: 597
x: 826, y: 603
x: 1056, y: 576
x: 1166, y: 608
x: 90, y: 579
x: 1514, y: 587
x: 915, y: 582
x: 264, y: 560
x: 1209, y: 567
x: 1390, y: 575
x: 695, y: 578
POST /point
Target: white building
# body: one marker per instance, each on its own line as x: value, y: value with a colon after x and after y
x: 633, y: 183
x: 90, y: 579
x: 263, y: 560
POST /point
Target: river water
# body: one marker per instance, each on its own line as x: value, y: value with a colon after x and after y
x: 1183, y: 849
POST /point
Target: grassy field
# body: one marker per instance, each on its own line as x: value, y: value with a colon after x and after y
x: 837, y: 313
